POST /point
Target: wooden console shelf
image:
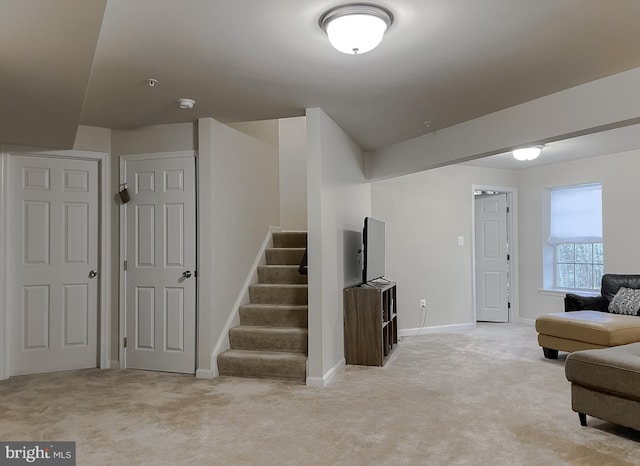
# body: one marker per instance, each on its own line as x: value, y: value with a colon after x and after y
x: 370, y: 323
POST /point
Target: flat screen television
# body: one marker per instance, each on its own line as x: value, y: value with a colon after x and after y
x: 373, y: 237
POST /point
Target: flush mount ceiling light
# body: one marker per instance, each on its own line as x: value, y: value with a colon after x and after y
x: 356, y: 28
x: 527, y: 153
x: 186, y: 103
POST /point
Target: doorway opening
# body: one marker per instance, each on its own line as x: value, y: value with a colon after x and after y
x: 494, y: 254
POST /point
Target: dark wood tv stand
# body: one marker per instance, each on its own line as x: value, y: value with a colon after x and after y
x: 370, y: 323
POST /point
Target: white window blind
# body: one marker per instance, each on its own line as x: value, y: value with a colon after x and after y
x: 576, y: 214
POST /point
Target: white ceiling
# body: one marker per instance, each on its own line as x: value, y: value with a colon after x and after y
x: 446, y: 61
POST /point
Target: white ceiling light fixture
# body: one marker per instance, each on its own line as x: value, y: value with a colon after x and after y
x: 186, y: 103
x: 527, y: 153
x: 356, y: 28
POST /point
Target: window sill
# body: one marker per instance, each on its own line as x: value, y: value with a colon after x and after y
x: 562, y: 293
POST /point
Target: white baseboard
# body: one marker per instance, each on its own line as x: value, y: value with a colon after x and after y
x: 204, y: 374
x: 522, y: 320
x: 414, y: 332
x: 321, y: 382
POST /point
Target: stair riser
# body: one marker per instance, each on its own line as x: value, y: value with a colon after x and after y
x: 289, y: 370
x: 286, y: 275
x: 294, y: 343
x: 274, y: 317
x: 290, y: 240
x: 278, y: 295
x: 284, y: 256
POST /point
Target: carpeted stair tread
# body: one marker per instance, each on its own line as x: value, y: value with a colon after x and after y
x: 281, y: 274
x: 274, y: 315
x: 262, y: 338
x: 263, y: 364
x: 271, y: 293
x: 284, y: 256
x: 264, y: 329
x: 290, y: 239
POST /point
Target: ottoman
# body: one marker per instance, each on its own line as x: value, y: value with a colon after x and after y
x: 579, y: 330
x: 605, y: 383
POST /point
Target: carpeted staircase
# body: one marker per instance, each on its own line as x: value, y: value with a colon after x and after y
x: 271, y: 340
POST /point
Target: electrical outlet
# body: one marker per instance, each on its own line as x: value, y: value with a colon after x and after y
x: 423, y: 303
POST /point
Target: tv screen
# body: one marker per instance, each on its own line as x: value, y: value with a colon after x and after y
x: 373, y: 237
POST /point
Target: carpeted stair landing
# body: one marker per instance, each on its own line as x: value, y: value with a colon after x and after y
x: 271, y: 340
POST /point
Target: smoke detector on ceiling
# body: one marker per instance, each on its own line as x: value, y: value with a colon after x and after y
x: 186, y: 103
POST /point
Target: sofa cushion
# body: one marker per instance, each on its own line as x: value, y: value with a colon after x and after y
x: 625, y: 301
x: 612, y: 282
x: 598, y: 328
x: 614, y: 369
x: 575, y: 302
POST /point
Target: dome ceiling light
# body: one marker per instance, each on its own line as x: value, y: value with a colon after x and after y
x: 186, y: 103
x: 527, y: 153
x: 356, y: 28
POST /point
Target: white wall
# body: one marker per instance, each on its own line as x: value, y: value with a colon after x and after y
x: 159, y: 138
x: 339, y: 197
x: 239, y: 200
x: 93, y: 139
x: 293, y: 173
x: 618, y: 174
x: 424, y: 214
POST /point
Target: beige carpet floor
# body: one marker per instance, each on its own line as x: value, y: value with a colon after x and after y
x: 480, y: 397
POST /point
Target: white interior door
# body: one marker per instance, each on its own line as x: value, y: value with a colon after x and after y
x: 491, y: 258
x: 161, y: 259
x: 54, y: 259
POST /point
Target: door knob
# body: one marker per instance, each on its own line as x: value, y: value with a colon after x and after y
x: 93, y: 274
x: 186, y: 274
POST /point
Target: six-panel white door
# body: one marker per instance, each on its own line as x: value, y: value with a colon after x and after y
x: 161, y: 259
x: 491, y: 259
x: 54, y: 238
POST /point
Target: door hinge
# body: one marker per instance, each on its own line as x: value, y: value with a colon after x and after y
x: 508, y: 307
x: 125, y: 342
x: 508, y: 210
x: 508, y: 257
x: 125, y: 265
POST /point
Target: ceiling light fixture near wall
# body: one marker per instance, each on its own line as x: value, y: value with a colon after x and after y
x: 527, y: 153
x: 186, y: 103
x: 356, y: 28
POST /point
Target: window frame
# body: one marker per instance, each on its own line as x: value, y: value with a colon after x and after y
x: 550, y: 264
x: 592, y: 264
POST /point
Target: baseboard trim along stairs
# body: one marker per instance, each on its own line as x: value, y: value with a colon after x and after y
x: 271, y: 341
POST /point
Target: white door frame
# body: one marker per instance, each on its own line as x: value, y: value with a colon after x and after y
x: 123, y: 243
x: 104, y: 247
x: 512, y: 226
